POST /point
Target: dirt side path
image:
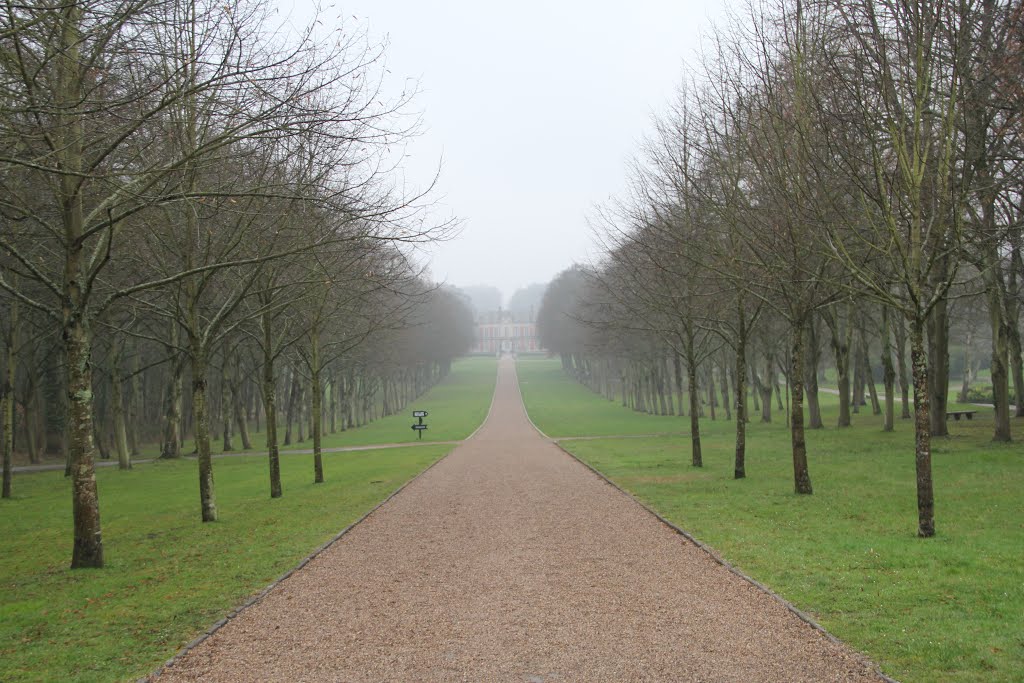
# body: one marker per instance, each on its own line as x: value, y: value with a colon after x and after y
x: 510, y: 561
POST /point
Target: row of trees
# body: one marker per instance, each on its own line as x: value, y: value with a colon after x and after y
x: 833, y: 180
x: 188, y: 189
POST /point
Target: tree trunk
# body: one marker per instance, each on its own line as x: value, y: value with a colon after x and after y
x: 756, y: 384
x: 813, y: 361
x: 1017, y: 365
x: 7, y: 404
x: 300, y: 409
x: 332, y: 407
x: 965, y: 384
x: 124, y: 460
x: 1000, y: 357
x: 901, y: 365
x: 35, y: 419
x: 270, y: 408
x: 869, y: 377
x: 724, y: 381
x: 1013, y: 304
x: 740, y: 467
x: 226, y: 404
x: 317, y: 396
x: 938, y: 367
x: 841, y: 331
x: 677, y: 367
x: 778, y: 388
x: 888, y: 373
x: 236, y: 402
x: 88, y: 545
x: 691, y: 378
x: 172, y: 418
x: 764, y: 389
x: 660, y: 378
x: 922, y: 431
x: 712, y: 402
x: 207, y: 495
x: 857, y: 399
x: 135, y: 407
x: 801, y: 476
x: 666, y: 373
x: 289, y: 413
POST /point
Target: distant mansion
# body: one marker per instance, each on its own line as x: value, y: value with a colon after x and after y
x: 499, y: 332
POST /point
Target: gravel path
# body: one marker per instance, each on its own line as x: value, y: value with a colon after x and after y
x: 510, y: 561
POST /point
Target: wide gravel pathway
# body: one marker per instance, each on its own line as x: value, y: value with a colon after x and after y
x: 510, y: 561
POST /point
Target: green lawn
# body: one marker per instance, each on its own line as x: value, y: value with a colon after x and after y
x: 950, y: 608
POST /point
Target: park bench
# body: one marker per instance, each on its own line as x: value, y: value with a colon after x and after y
x: 955, y: 414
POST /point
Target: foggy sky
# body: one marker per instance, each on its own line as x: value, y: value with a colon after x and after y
x: 533, y: 110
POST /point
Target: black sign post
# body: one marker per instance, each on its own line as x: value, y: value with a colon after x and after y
x: 419, y: 426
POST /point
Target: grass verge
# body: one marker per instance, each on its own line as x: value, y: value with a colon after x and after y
x: 949, y: 608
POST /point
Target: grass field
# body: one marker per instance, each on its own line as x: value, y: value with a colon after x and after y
x: 168, y: 577
x: 949, y: 608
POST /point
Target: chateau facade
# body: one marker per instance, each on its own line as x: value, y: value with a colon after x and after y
x: 499, y: 332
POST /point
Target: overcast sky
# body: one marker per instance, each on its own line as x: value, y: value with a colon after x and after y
x: 533, y: 110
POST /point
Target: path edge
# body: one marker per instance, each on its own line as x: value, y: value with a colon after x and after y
x: 276, y: 582
x: 711, y: 552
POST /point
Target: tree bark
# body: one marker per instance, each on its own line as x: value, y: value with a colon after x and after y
x: 938, y: 367
x: 135, y: 407
x: 841, y: 330
x: 922, y: 431
x: 965, y: 383
x: 1014, y: 299
x: 888, y: 373
x: 764, y: 389
x: 724, y: 381
x: 226, y: 404
x: 813, y: 360
x: 172, y: 418
x: 317, y: 396
x: 207, y: 495
x: 712, y: 401
x: 289, y: 413
x: 901, y: 364
x: 236, y: 402
x: 124, y: 460
x: 740, y: 466
x: 300, y: 409
x: 332, y: 407
x: 999, y: 367
x: 88, y: 544
x: 869, y: 377
x: 270, y: 409
x: 691, y: 378
x: 7, y: 405
x: 1017, y: 366
x: 801, y: 475
x: 677, y: 367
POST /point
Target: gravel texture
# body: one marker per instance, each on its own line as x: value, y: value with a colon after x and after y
x: 510, y: 561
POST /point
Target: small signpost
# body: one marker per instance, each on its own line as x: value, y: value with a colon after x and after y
x: 419, y: 426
